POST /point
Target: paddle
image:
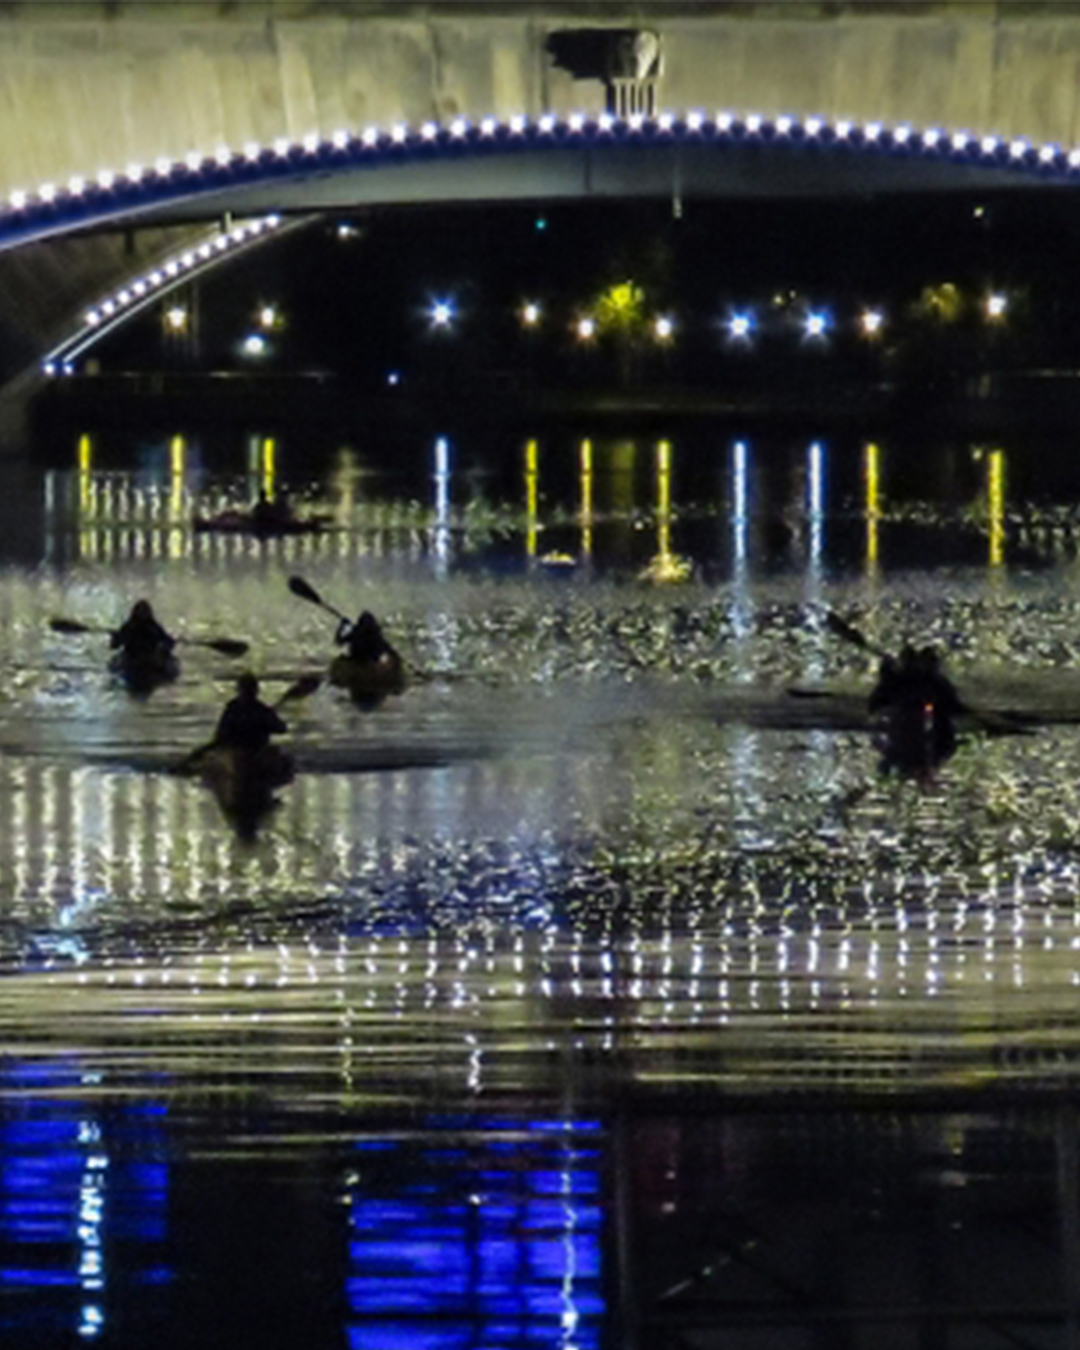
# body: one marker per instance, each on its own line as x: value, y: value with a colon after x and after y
x: 301, y: 688
x: 306, y: 591
x: 226, y: 646
x: 851, y: 634
x: 300, y: 587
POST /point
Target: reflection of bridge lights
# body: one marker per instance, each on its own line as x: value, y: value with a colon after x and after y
x: 441, y: 314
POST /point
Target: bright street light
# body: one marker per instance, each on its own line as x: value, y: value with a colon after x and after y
x: 871, y: 322
x: 815, y: 324
x: 740, y: 326
x: 996, y: 306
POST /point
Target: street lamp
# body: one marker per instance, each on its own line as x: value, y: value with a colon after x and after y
x: 871, y: 322
x: 997, y: 306
x: 175, y: 320
x: 815, y: 325
x: 740, y: 326
x: 441, y: 314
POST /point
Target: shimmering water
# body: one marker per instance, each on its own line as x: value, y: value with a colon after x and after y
x: 593, y: 989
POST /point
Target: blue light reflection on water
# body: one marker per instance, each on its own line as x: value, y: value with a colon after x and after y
x: 493, y: 1244
x: 66, y: 1202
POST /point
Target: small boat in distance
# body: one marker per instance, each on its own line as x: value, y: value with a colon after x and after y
x: 247, y: 523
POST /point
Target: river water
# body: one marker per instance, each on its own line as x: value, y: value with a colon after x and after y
x: 600, y: 990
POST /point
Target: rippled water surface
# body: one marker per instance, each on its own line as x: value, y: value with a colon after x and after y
x: 608, y: 939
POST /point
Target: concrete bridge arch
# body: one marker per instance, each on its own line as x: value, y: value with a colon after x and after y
x: 152, y: 119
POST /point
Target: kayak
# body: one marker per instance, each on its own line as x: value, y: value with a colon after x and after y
x: 244, y: 781
x: 368, y: 679
x: 242, y: 522
x: 143, y: 672
x: 915, y: 738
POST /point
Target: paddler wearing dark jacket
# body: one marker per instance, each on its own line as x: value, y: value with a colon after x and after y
x: 364, y: 640
x: 247, y: 723
x: 919, y: 698
x: 140, y: 636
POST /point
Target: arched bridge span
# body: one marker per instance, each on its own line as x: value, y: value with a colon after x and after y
x: 138, y: 116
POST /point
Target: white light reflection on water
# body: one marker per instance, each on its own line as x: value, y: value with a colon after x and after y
x: 610, y: 789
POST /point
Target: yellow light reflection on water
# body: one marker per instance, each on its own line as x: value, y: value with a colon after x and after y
x: 666, y: 565
x: 995, y: 504
x: 269, y: 465
x: 872, y: 480
x: 532, y: 459
x: 586, y: 460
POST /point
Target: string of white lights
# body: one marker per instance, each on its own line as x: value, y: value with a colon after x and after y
x: 51, y: 207
x: 144, y: 289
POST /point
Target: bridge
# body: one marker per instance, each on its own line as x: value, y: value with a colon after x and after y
x: 145, y: 141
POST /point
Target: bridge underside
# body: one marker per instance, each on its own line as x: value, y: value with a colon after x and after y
x: 683, y: 171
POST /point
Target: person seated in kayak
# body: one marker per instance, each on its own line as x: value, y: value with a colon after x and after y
x: 271, y: 515
x: 247, y: 723
x: 140, y: 637
x: 914, y: 688
x: 365, y: 642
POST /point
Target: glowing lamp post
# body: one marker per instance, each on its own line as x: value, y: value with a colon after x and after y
x: 816, y: 326
x: 739, y: 327
x: 441, y: 315
x: 871, y: 323
x: 997, y: 307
